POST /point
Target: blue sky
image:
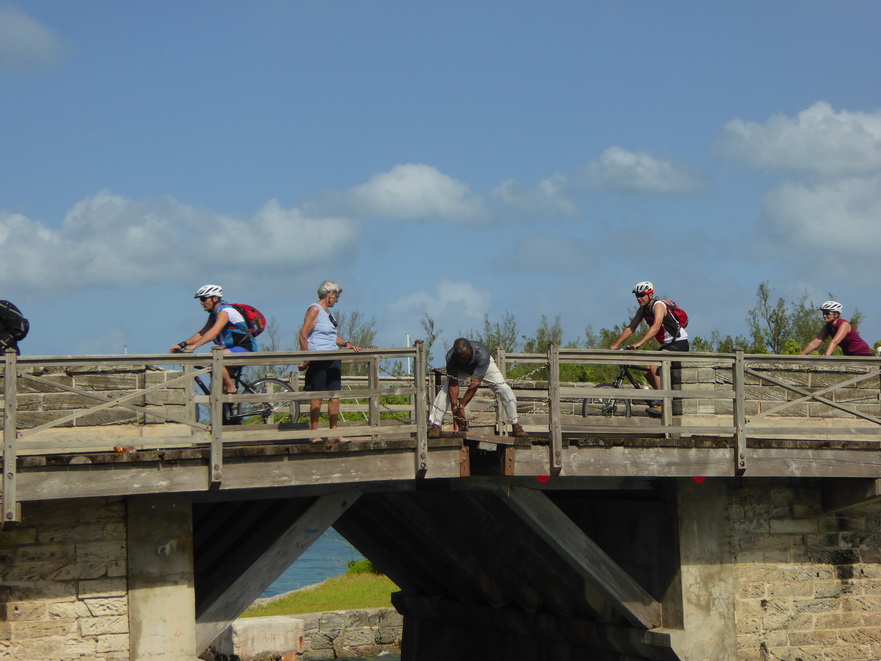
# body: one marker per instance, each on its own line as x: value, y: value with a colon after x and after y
x: 450, y: 158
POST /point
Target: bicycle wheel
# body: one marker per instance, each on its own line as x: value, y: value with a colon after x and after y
x: 607, y: 406
x: 269, y: 411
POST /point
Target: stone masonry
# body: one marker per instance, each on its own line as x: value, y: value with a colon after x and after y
x: 353, y: 633
x: 63, y: 583
x: 762, y: 395
x: 807, y: 584
x: 39, y: 403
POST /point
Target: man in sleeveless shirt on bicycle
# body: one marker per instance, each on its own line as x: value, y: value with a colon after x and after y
x: 662, y: 325
x: 225, y: 327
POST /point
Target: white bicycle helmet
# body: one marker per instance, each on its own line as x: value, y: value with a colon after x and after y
x: 644, y: 287
x: 209, y: 290
x: 831, y: 306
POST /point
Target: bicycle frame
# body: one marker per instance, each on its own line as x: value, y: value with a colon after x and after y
x: 608, y: 406
x: 228, y: 416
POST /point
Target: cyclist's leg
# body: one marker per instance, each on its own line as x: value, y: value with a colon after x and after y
x: 651, y: 375
x: 678, y: 345
x: 230, y: 375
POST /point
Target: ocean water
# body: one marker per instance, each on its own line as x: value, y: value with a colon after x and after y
x: 326, y: 558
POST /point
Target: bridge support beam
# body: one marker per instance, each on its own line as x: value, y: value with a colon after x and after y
x: 162, y: 611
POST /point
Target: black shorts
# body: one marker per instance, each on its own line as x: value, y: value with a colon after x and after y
x: 675, y: 345
x: 323, y: 375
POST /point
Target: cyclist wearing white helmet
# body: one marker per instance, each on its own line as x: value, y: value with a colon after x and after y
x: 663, y: 326
x: 225, y: 327
x: 841, y: 331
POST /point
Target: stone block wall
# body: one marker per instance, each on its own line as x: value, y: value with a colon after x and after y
x: 350, y: 634
x: 63, y: 586
x: 39, y: 403
x: 762, y: 395
x: 807, y: 584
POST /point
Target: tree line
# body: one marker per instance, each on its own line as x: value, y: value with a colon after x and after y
x: 775, y: 326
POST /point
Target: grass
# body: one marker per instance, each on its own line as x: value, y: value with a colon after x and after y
x: 356, y: 589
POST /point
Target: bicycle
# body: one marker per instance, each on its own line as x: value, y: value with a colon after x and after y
x: 266, y: 412
x: 608, y: 406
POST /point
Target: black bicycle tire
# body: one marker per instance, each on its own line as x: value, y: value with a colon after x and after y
x: 590, y: 404
x: 268, y: 412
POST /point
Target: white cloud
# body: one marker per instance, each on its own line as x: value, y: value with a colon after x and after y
x: 817, y: 141
x: 549, y: 198
x: 26, y: 44
x: 461, y: 298
x: 413, y: 192
x: 109, y: 241
x: 635, y: 172
x: 841, y: 217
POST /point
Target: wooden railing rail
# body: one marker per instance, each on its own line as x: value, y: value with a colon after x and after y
x: 740, y: 397
x: 50, y: 375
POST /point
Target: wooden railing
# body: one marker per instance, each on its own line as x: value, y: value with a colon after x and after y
x: 737, y: 397
x: 142, y: 400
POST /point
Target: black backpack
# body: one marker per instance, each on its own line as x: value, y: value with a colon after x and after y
x: 12, y: 322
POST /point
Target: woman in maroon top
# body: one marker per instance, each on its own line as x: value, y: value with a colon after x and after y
x: 840, y: 330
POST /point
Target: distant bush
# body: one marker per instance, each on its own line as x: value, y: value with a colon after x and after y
x: 363, y: 566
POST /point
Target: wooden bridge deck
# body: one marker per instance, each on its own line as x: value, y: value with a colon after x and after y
x: 723, y: 416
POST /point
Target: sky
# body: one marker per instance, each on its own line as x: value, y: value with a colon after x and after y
x: 453, y: 159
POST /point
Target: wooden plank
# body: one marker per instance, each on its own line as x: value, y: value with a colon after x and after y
x: 215, y: 412
x: 10, y: 436
x: 554, y: 426
x: 634, y: 393
x: 277, y: 557
x: 739, y: 412
x: 690, y: 462
x: 582, y: 554
x: 628, y: 462
x: 490, y: 439
x: 336, y: 465
x: 421, y: 412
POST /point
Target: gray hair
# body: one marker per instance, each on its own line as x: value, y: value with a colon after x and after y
x: 329, y: 287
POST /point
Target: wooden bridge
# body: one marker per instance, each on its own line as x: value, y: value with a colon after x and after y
x: 601, y: 535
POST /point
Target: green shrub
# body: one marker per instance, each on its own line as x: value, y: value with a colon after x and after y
x: 363, y: 566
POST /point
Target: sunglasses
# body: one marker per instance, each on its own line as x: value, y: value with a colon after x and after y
x: 826, y: 313
x: 204, y: 298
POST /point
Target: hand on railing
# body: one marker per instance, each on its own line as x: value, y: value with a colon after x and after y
x: 460, y: 422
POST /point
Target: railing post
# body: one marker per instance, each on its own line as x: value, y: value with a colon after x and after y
x: 216, y: 415
x: 11, y: 512
x: 192, y: 409
x: 502, y: 364
x: 373, y: 384
x: 555, y: 430
x: 739, y: 413
x: 420, y: 375
x: 667, y: 384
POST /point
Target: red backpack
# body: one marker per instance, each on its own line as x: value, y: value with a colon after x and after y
x: 254, y: 319
x: 678, y: 313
